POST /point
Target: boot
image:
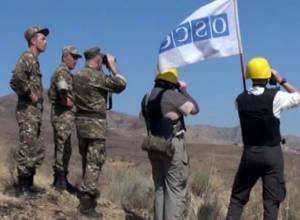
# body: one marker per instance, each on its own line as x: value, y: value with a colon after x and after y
x: 60, y: 181
x: 23, y: 188
x: 70, y: 188
x: 38, y: 190
x: 88, y: 206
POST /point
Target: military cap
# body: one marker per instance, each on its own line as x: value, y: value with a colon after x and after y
x: 31, y: 31
x: 71, y: 50
x: 91, y: 53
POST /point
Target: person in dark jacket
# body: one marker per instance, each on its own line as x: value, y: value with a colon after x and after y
x: 259, y: 112
x: 168, y: 102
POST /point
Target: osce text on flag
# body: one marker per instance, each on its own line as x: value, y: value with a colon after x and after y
x: 205, y: 28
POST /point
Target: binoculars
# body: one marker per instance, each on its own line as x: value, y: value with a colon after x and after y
x: 105, y: 61
x: 272, y: 82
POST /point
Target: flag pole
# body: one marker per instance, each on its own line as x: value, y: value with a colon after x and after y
x: 243, y: 71
x: 240, y: 44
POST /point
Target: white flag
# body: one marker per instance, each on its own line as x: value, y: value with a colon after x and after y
x: 211, y: 31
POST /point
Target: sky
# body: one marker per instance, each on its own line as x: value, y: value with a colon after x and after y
x: 133, y: 30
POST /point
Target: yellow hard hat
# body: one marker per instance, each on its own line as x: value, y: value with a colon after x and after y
x: 169, y: 75
x: 258, y: 68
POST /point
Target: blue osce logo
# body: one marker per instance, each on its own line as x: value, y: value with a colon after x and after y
x: 197, y: 30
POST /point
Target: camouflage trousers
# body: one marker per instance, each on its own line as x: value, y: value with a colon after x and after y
x: 93, y: 157
x: 62, y: 130
x: 31, y: 151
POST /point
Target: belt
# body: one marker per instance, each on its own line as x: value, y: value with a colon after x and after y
x: 90, y: 114
x: 180, y: 136
x: 24, y: 98
x: 261, y: 146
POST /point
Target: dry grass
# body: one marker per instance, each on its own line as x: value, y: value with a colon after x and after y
x: 208, y: 192
x: 53, y: 206
x: 126, y: 186
x: 8, y: 167
x: 205, y: 188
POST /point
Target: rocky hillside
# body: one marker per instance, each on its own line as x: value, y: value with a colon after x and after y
x: 128, y: 126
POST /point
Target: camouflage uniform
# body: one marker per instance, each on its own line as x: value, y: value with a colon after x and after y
x: 62, y: 117
x: 26, y: 79
x: 91, y: 88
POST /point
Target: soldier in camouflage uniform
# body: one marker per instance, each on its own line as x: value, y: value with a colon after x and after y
x: 27, y: 83
x: 62, y: 115
x: 91, y: 88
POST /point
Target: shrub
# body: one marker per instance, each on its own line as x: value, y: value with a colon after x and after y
x: 210, y: 210
x: 126, y: 186
x: 199, y: 183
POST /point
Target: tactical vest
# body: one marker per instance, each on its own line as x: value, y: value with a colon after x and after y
x: 159, y: 125
x: 258, y: 124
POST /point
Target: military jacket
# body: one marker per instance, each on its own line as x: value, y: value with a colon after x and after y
x: 61, y: 80
x: 27, y: 79
x: 91, y: 88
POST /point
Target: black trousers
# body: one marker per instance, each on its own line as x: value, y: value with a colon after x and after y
x: 259, y: 162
